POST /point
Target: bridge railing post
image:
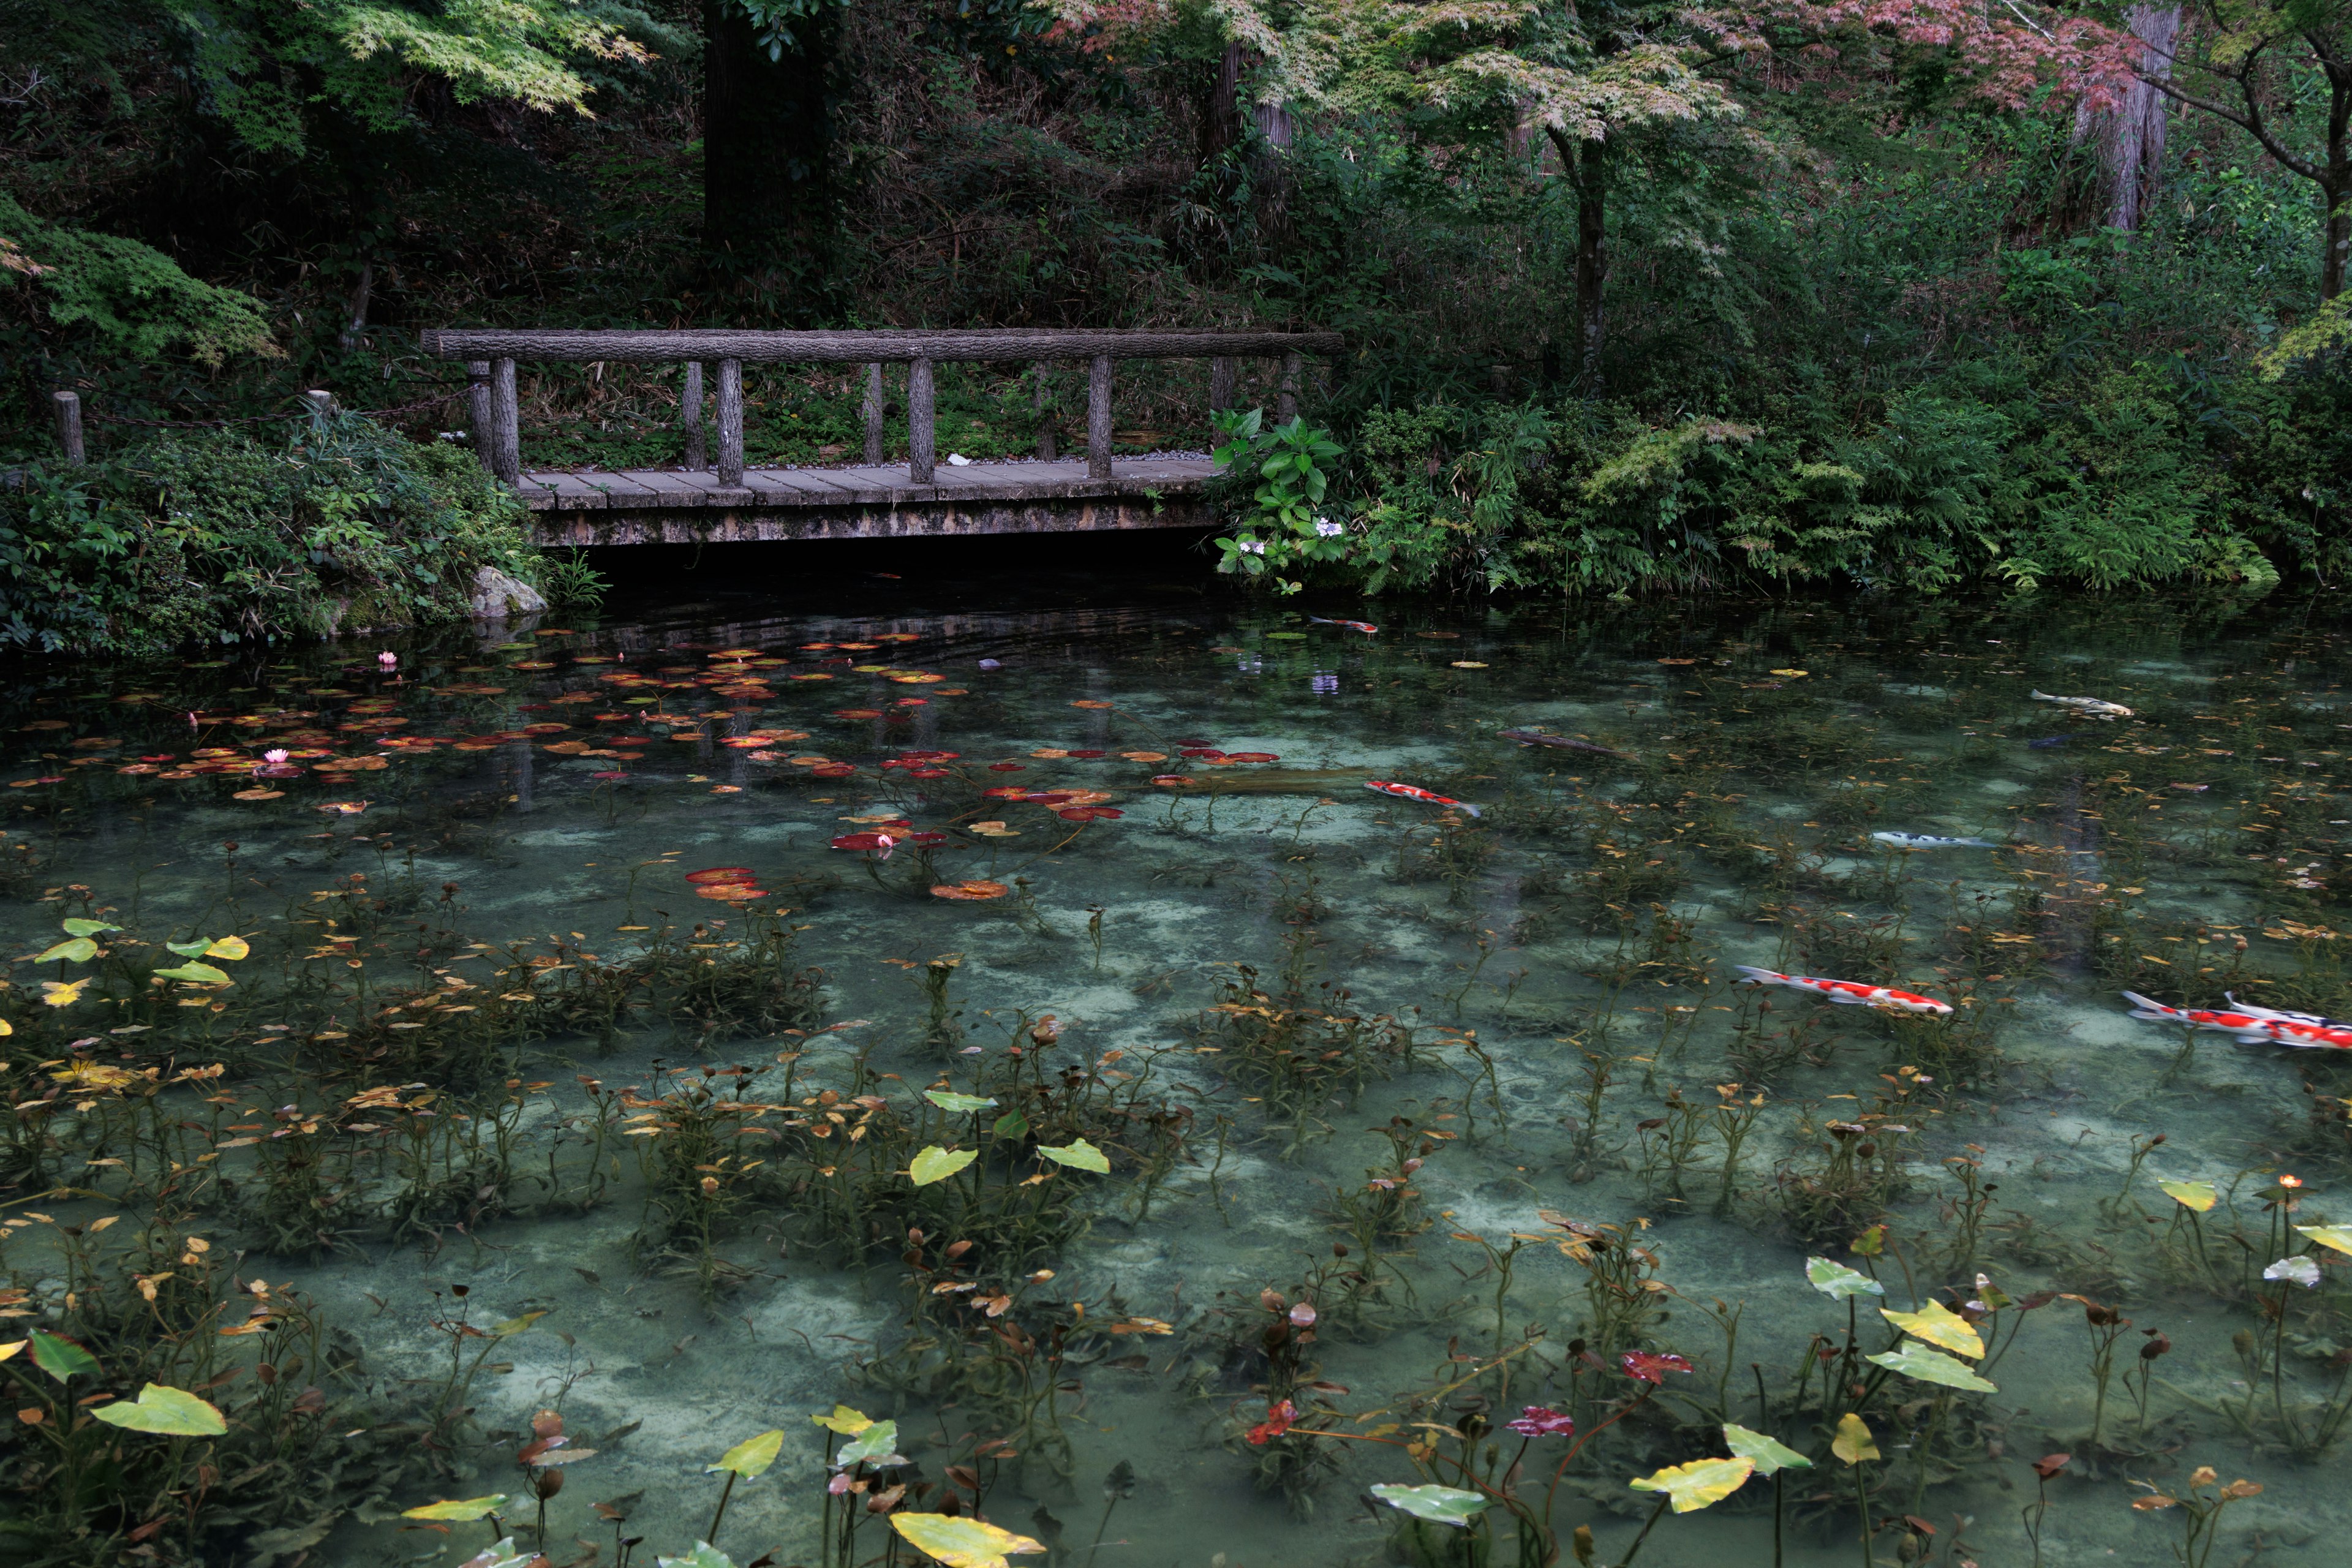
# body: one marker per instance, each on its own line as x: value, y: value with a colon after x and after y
x: 1221, y: 383
x: 689, y: 415
x: 67, y: 408
x: 1286, y: 401
x: 1098, y: 437
x: 922, y: 449
x: 731, y: 423
x: 477, y: 414
x: 506, y: 421
x: 1041, y: 408
x: 874, y: 414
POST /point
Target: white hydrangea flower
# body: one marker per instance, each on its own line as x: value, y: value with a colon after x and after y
x: 1251, y: 547
x: 1326, y: 528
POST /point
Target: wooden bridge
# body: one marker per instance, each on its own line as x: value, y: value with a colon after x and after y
x: 724, y: 500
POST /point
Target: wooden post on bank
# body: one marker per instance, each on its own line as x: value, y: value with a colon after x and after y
x: 506, y: 424
x: 1098, y: 418
x: 690, y: 416
x: 477, y: 414
x: 321, y: 404
x: 1286, y: 402
x: 873, y: 415
x: 922, y: 449
x: 731, y: 423
x: 67, y: 408
x: 1221, y: 383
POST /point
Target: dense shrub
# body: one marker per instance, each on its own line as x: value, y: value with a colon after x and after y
x: 218, y: 536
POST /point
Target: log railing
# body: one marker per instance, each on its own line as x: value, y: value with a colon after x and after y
x: 491, y: 354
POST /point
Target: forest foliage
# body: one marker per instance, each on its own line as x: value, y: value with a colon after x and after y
x: 1637, y: 297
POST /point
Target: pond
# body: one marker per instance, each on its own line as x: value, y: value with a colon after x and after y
x: 591, y: 1047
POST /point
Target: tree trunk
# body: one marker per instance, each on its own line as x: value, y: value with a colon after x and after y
x: 771, y: 208
x: 1590, y: 176
x: 1221, y: 128
x: 2133, y: 143
x: 2337, y: 185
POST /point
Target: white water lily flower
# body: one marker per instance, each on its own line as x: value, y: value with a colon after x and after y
x: 2304, y: 1272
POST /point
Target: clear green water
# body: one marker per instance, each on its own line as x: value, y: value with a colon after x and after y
x: 1585, y: 927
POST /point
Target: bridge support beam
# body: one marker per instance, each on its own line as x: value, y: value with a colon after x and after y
x: 731, y: 423
x: 506, y: 424
x: 1098, y: 418
x: 922, y: 449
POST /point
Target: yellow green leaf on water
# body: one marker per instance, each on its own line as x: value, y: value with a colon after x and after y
x: 1699, y: 1483
x: 73, y: 950
x: 1853, y: 1443
x: 937, y: 1164
x: 1079, y: 1154
x: 848, y: 1423
x: 229, y: 947
x: 1768, y: 1454
x: 877, y: 1445
x: 197, y: 974
x: 704, y: 1555
x: 751, y: 1457
x: 1939, y: 1326
x: 1439, y: 1505
x: 2197, y: 1196
x: 86, y: 928
x: 948, y: 1100
x: 961, y: 1543
x: 1932, y: 1367
x: 2338, y: 1236
x: 173, y: 1412
x: 458, y: 1510
x: 513, y: 1326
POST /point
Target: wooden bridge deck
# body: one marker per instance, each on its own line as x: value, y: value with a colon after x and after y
x: 671, y: 506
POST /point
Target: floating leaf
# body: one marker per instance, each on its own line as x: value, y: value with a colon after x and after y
x: 937, y: 1164
x: 1012, y: 1124
x: 1439, y: 1505
x: 60, y: 1357
x: 229, y: 947
x: 948, y: 1100
x: 1853, y: 1443
x: 63, y: 994
x: 8, y: 1350
x: 458, y: 1510
x: 877, y: 1445
x: 848, y: 1423
x: 751, y: 1456
x: 86, y: 928
x: 197, y: 973
x: 1080, y: 1154
x: 173, y: 1412
x: 502, y: 1555
x: 1768, y: 1454
x: 2197, y: 1196
x: 1699, y: 1483
x: 1836, y: 1281
x: 961, y: 1543
x: 1939, y: 1326
x: 74, y: 949
x: 2338, y: 1236
x: 190, y: 949
x: 1932, y: 1367
x: 513, y: 1326
x: 704, y: 1555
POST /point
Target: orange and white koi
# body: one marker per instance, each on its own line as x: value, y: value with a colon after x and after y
x: 1426, y: 798
x: 1364, y: 626
x: 2247, y: 1026
x: 2290, y: 1017
x: 1845, y: 992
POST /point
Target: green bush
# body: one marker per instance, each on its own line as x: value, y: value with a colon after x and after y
x: 218, y: 536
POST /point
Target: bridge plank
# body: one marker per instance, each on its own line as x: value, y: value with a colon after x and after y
x: 664, y: 488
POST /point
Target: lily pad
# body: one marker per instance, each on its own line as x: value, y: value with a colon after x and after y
x: 458, y: 1510
x: 1768, y: 1454
x: 877, y: 1445
x: 1079, y: 1154
x: 1853, y: 1443
x: 173, y: 1412
x: 197, y: 973
x: 1439, y: 1505
x: 1939, y: 1326
x: 2196, y: 1196
x: 937, y: 1164
x: 1836, y: 1281
x: 60, y: 1357
x: 1932, y: 1367
x: 73, y: 950
x: 964, y: 1104
x: 2337, y: 1236
x: 848, y: 1423
x: 86, y: 928
x: 704, y: 1555
x: 751, y: 1456
x: 961, y: 1542
x: 1699, y: 1483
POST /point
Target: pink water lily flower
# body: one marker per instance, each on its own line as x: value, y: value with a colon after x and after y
x: 387, y: 660
x: 274, y: 757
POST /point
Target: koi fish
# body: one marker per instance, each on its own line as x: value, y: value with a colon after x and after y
x: 1411, y: 792
x: 1564, y: 742
x: 1364, y: 626
x: 2248, y: 1025
x: 2290, y: 1017
x: 2047, y: 742
x: 1929, y: 841
x: 1846, y: 992
x: 2095, y: 707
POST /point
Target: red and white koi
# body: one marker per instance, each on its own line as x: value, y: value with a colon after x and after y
x: 2246, y: 1026
x: 2290, y: 1017
x: 1364, y: 626
x: 1845, y: 992
x: 1426, y: 798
